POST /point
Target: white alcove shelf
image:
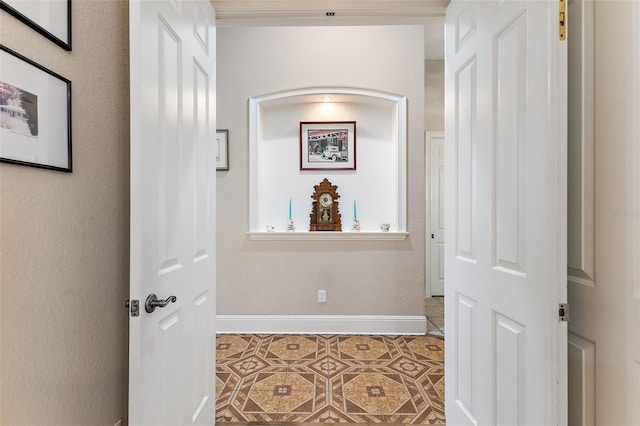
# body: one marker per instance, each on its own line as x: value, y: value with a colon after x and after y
x: 378, y: 185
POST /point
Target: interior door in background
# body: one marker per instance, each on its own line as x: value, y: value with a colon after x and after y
x: 505, y: 213
x: 435, y: 239
x: 172, y: 352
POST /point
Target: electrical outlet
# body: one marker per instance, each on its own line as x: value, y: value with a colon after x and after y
x: 322, y: 296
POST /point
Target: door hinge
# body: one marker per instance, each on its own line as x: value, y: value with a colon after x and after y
x: 134, y: 307
x: 562, y: 20
x: 564, y: 313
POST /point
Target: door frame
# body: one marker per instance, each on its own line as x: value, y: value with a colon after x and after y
x: 633, y: 238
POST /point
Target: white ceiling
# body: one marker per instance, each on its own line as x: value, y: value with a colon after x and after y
x: 429, y: 13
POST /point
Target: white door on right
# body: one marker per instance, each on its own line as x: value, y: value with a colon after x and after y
x: 505, y: 213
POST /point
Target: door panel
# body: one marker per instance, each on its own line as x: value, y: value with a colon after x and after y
x: 582, y: 381
x: 172, y: 212
x: 510, y: 375
x: 510, y: 94
x: 464, y: 355
x: 465, y: 93
x: 505, y: 206
x: 581, y: 128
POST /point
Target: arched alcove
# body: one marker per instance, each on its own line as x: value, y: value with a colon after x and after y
x: 378, y: 183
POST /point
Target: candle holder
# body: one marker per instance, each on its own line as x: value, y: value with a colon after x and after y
x: 356, y: 222
x: 290, y: 226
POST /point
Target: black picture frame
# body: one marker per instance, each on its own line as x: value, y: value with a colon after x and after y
x: 20, y: 11
x: 222, y: 149
x: 35, y: 114
x: 327, y: 145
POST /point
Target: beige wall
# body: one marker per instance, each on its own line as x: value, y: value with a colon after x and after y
x: 282, y: 277
x: 64, y: 239
x: 434, y: 95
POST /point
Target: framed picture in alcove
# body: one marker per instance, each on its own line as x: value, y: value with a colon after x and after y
x: 327, y: 145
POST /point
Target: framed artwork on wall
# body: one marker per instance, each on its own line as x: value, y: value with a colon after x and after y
x: 35, y: 114
x: 328, y: 145
x: 222, y: 149
x: 50, y: 18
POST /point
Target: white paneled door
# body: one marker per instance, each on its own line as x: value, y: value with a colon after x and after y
x: 435, y: 160
x: 171, y: 353
x: 505, y: 213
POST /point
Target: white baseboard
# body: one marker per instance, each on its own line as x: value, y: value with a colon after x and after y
x: 321, y: 324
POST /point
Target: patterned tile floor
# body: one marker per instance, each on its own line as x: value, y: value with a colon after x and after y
x: 329, y: 379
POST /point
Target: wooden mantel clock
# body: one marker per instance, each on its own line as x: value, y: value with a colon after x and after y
x: 324, y: 214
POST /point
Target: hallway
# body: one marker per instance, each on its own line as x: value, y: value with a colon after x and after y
x: 329, y: 379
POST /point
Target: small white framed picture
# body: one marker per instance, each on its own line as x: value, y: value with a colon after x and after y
x: 222, y: 149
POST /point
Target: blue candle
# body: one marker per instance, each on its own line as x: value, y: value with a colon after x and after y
x: 289, y: 208
x: 355, y: 214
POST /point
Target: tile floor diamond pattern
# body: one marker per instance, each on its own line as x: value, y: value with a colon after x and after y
x: 329, y: 379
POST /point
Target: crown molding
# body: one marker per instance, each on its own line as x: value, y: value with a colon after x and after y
x: 315, y: 11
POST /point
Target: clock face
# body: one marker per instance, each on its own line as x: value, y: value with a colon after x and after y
x: 325, y: 200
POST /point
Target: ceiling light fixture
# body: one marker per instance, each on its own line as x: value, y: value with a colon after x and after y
x: 327, y: 99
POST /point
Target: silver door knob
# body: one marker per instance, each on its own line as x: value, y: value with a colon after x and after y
x: 153, y: 302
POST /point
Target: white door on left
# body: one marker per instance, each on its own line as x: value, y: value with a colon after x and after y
x: 172, y: 348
